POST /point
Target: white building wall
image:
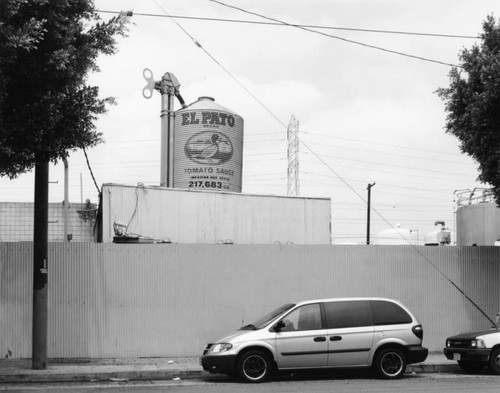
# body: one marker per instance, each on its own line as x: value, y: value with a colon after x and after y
x: 205, y: 217
x: 120, y: 300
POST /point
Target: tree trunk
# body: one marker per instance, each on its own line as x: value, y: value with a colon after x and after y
x: 40, y: 266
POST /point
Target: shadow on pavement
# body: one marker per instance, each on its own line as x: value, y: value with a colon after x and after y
x: 310, y: 375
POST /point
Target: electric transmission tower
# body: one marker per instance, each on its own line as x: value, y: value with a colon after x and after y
x: 293, y: 157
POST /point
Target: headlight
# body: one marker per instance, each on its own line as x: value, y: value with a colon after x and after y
x: 222, y: 347
x: 477, y: 343
x: 447, y: 343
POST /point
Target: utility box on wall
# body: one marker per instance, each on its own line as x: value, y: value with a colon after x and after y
x: 207, y: 217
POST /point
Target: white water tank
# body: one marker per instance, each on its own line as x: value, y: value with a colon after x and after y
x: 478, y: 224
x: 396, y: 236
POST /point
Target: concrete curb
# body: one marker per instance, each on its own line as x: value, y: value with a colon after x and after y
x: 44, y: 376
x: 117, y: 376
x: 430, y: 368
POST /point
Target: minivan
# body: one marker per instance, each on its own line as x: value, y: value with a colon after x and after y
x: 321, y: 334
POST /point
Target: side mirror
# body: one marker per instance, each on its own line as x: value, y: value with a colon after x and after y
x: 278, y: 326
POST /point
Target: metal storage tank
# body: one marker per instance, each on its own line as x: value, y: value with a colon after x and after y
x: 439, y: 237
x: 478, y: 217
x: 207, y: 147
x: 396, y: 236
x: 478, y: 224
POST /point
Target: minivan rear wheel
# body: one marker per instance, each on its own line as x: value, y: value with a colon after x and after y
x: 390, y: 363
x: 254, y: 366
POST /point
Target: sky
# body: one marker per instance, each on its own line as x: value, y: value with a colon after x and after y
x: 365, y: 115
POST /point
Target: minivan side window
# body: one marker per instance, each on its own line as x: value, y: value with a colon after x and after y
x: 388, y: 313
x: 307, y: 317
x: 345, y: 314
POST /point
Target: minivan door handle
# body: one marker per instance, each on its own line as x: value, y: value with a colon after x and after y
x: 319, y: 339
x: 335, y: 338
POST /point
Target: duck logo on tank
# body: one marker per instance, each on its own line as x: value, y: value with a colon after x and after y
x: 208, y: 147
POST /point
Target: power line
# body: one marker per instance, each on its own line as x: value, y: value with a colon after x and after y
x: 281, y: 139
x: 381, y: 144
x: 385, y: 153
x: 247, y: 141
x: 392, y: 165
x: 382, y: 185
x: 267, y: 159
x: 411, y: 33
x: 264, y: 153
x: 436, y: 268
x: 337, y: 37
x: 90, y: 170
x: 222, y: 67
x: 371, y: 169
x: 264, y: 174
x: 393, y: 209
x: 378, y: 193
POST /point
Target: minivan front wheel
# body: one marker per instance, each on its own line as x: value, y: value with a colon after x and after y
x: 390, y: 363
x: 254, y: 366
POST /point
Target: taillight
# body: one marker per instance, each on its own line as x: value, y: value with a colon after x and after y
x: 418, y: 331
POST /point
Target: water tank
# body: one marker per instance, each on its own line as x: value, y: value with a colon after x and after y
x: 396, y: 236
x: 478, y: 224
x: 207, y: 147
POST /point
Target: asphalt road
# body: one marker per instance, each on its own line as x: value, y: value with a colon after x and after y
x: 441, y: 383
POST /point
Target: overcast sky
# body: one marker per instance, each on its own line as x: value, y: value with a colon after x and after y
x: 365, y: 115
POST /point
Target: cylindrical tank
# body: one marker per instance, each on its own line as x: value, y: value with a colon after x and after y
x: 439, y: 237
x: 207, y: 147
x: 478, y: 224
x: 396, y: 236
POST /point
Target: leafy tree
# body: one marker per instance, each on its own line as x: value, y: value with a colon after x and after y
x: 47, y: 49
x: 472, y: 102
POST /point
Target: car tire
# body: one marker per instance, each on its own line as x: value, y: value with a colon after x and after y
x: 470, y: 367
x: 390, y: 363
x: 254, y: 367
x: 495, y: 361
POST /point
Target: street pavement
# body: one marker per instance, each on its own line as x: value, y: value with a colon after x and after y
x: 93, y: 370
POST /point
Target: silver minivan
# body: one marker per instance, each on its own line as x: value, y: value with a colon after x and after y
x: 320, y: 334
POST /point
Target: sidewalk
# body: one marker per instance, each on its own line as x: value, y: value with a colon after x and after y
x: 90, y: 370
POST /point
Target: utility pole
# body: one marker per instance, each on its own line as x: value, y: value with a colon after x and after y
x: 369, y: 188
x: 40, y: 266
x: 66, y: 200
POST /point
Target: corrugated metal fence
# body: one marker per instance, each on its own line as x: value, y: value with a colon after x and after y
x: 117, y: 300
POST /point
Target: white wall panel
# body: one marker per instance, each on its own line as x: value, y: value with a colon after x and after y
x: 205, y: 217
x: 122, y: 300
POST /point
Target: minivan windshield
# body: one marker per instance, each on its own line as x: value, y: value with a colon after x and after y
x: 262, y: 322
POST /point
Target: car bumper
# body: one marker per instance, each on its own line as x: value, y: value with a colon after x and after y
x: 221, y: 364
x: 466, y: 354
x: 416, y: 354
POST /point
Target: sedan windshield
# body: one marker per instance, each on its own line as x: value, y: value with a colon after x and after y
x: 262, y: 322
